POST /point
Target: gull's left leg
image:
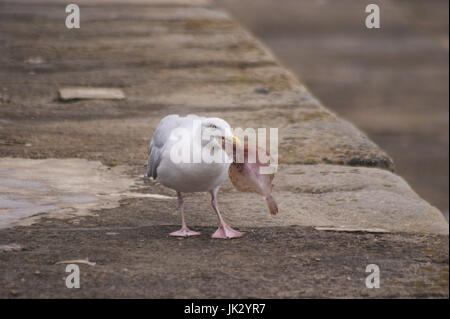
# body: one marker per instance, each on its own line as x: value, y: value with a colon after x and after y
x: 224, y: 231
x: 184, y: 231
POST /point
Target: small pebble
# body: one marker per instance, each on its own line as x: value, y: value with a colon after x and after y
x: 364, y: 293
x: 262, y: 90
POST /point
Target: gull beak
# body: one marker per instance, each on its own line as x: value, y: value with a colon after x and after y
x: 234, y: 140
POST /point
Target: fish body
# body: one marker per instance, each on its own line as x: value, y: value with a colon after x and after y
x: 245, y: 175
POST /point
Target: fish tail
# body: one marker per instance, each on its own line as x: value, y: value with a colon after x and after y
x: 272, y: 204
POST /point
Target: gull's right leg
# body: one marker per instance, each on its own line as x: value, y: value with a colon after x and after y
x: 224, y: 231
x: 184, y: 231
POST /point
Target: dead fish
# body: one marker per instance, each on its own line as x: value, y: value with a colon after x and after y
x: 246, y: 177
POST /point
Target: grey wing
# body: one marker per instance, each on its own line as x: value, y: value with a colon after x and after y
x: 159, y: 139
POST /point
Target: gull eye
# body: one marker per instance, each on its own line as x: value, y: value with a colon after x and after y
x: 212, y: 126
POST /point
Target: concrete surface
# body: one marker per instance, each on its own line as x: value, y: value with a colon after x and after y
x: 58, y: 188
x: 178, y: 57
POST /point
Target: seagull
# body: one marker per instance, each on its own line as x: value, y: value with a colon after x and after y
x: 176, y: 160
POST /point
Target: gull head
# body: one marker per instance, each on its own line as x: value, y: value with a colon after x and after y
x: 219, y: 132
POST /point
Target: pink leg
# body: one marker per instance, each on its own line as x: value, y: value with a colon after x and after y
x: 224, y: 231
x: 184, y: 231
